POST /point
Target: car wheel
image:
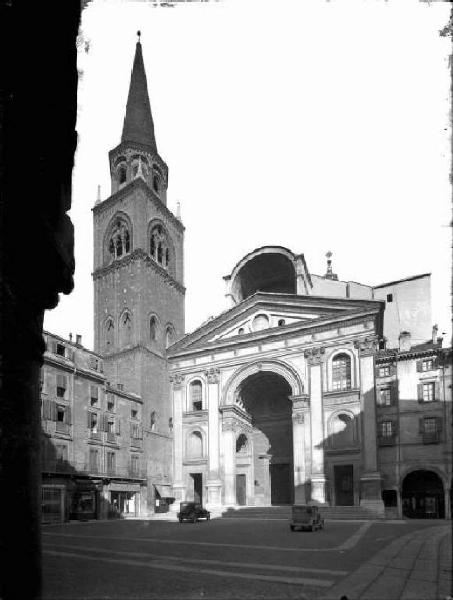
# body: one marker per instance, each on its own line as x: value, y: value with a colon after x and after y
x: 208, y: 518
x: 292, y: 527
x: 312, y: 527
x: 194, y: 518
x: 180, y: 520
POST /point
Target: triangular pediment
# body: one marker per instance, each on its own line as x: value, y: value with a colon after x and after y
x: 265, y: 314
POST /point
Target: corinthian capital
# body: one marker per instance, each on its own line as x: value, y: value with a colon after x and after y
x: 212, y: 375
x: 176, y: 379
x: 367, y: 346
x: 315, y: 356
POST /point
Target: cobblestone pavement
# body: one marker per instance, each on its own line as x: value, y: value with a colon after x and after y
x: 416, y: 566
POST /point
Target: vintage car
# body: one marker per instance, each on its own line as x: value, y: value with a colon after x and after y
x: 191, y: 511
x: 306, y: 516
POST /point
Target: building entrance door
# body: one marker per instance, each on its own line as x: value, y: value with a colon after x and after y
x: 241, y: 490
x: 281, y: 484
x: 344, y: 485
x: 197, y: 487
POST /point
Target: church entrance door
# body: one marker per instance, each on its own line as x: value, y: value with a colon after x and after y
x: 344, y: 485
x: 197, y: 487
x: 241, y: 493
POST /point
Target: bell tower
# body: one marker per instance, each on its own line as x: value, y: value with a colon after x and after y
x: 138, y: 274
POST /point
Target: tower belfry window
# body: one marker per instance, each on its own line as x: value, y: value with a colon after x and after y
x: 120, y: 240
x: 159, y: 246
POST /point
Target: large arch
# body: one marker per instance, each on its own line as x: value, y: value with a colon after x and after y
x: 264, y: 396
x: 422, y: 494
x: 279, y: 367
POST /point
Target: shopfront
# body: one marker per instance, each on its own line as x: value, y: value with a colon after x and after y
x: 124, y: 500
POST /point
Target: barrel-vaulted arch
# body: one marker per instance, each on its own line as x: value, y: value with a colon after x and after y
x: 288, y: 372
x: 266, y: 269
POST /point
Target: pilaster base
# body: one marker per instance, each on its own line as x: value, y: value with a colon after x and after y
x: 214, y: 498
x: 179, y: 494
x: 371, y: 493
x: 318, y: 489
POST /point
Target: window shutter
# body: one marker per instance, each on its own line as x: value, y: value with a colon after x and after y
x: 118, y: 427
x: 439, y: 424
x: 421, y: 425
x: 419, y: 364
x: 436, y: 391
x: 61, y: 381
x: 376, y: 370
x: 68, y: 415
x: 140, y: 432
x: 392, y: 370
x: 53, y: 410
x: 53, y: 346
x: 420, y: 392
x: 104, y: 421
x: 47, y: 415
x: 436, y: 362
x: 88, y: 419
x: 394, y: 393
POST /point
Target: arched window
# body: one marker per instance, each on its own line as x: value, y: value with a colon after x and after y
x: 341, y: 431
x: 139, y: 167
x: 153, y: 329
x: 120, y: 240
x: 196, y: 396
x: 169, y: 336
x: 156, y: 183
x: 341, y: 372
x: 159, y: 246
x: 126, y: 328
x: 109, y: 334
x: 195, y: 445
x: 242, y: 445
x: 121, y: 173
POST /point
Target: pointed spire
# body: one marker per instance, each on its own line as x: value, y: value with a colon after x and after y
x: 98, y: 197
x: 138, y: 123
x: 178, y: 210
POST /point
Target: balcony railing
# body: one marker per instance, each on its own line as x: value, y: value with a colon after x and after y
x: 95, y: 435
x: 62, y: 427
x: 388, y: 440
x: 111, y: 437
x: 433, y: 437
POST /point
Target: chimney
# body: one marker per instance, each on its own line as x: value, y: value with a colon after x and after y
x: 178, y: 210
x: 405, y: 341
x: 434, y: 336
x: 78, y: 339
x: 70, y: 337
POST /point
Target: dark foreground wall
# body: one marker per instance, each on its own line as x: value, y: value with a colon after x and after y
x: 38, y: 107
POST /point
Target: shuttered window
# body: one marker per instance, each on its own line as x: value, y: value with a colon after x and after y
x: 62, y: 384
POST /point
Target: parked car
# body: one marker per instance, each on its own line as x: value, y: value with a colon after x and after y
x: 191, y: 511
x: 306, y: 516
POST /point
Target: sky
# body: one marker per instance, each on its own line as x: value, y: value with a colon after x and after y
x: 312, y: 125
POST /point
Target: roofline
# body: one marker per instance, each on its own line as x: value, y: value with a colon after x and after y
x: 374, y: 287
x: 74, y: 344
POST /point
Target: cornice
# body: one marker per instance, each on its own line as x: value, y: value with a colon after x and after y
x: 127, y: 189
x: 139, y: 254
x: 396, y: 355
x: 268, y: 335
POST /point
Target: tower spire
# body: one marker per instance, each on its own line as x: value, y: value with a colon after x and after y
x: 138, y: 124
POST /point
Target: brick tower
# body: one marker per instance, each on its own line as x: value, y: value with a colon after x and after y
x: 138, y: 275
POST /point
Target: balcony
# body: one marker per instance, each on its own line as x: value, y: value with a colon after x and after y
x: 388, y: 440
x: 61, y: 427
x: 95, y: 435
x: 136, y: 442
x: 432, y: 437
x: 111, y: 437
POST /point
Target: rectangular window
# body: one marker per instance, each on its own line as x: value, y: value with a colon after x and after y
x: 60, y: 349
x: 93, y: 422
x: 384, y: 371
x: 430, y: 425
x: 341, y: 372
x: 94, y: 395
x: 62, y: 384
x: 428, y: 392
x: 387, y: 429
x: 61, y: 452
x: 389, y: 297
x: 94, y: 460
x: 111, y: 461
x: 428, y: 364
x: 385, y: 397
x: 134, y: 431
x: 94, y: 363
x: 110, y: 426
x: 134, y: 413
x: 111, y: 403
x: 134, y: 465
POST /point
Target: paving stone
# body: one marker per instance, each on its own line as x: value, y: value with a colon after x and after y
x: 419, y: 590
x: 386, y: 586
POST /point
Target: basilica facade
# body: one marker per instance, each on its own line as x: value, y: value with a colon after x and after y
x: 306, y: 389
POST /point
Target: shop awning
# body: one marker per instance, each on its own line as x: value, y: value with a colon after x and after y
x: 164, y: 490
